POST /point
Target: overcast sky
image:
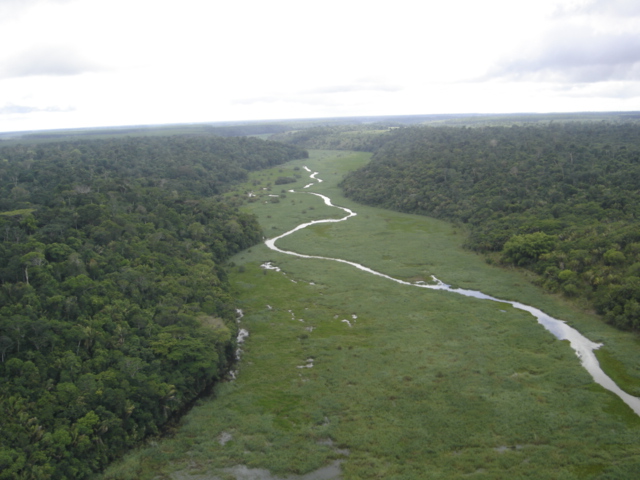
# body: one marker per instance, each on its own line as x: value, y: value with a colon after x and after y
x: 81, y: 63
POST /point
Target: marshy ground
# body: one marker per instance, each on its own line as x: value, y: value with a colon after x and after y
x: 355, y: 375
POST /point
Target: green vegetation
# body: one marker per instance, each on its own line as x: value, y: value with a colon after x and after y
x: 366, y: 138
x: 23, y: 211
x: 423, y: 384
x: 117, y: 314
x: 115, y: 311
x: 561, y: 200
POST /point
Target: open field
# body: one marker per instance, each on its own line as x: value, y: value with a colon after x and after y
x: 389, y: 381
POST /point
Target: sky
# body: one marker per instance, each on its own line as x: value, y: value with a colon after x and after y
x: 88, y: 63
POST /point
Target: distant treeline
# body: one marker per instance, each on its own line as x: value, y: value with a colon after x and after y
x: 187, y: 130
x: 253, y: 129
x: 363, y: 138
x: 115, y: 310
x: 562, y: 200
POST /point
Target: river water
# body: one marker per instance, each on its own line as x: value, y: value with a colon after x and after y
x: 583, y: 347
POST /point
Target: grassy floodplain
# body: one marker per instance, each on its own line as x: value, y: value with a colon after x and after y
x: 390, y: 381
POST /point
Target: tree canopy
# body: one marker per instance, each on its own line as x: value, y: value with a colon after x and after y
x: 561, y: 199
x: 115, y: 311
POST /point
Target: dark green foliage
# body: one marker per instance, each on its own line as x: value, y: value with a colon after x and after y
x: 527, y: 249
x: 285, y: 180
x: 560, y: 199
x: 115, y: 312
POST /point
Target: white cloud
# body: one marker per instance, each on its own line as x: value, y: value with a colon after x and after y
x: 103, y: 62
x: 621, y: 9
x: 47, y: 60
x: 11, y: 109
x: 588, y: 41
x: 577, y: 54
x: 355, y: 87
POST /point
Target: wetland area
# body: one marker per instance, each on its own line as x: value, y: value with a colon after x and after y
x: 345, y: 374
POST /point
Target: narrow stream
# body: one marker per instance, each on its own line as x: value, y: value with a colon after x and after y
x: 583, y: 347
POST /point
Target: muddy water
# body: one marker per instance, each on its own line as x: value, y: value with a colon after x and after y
x: 583, y: 347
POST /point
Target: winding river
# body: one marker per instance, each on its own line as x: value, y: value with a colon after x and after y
x: 583, y: 347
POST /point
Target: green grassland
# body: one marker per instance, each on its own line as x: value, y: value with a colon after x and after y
x: 391, y: 381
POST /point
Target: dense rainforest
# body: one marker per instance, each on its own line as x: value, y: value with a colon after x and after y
x: 561, y: 199
x: 115, y: 311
